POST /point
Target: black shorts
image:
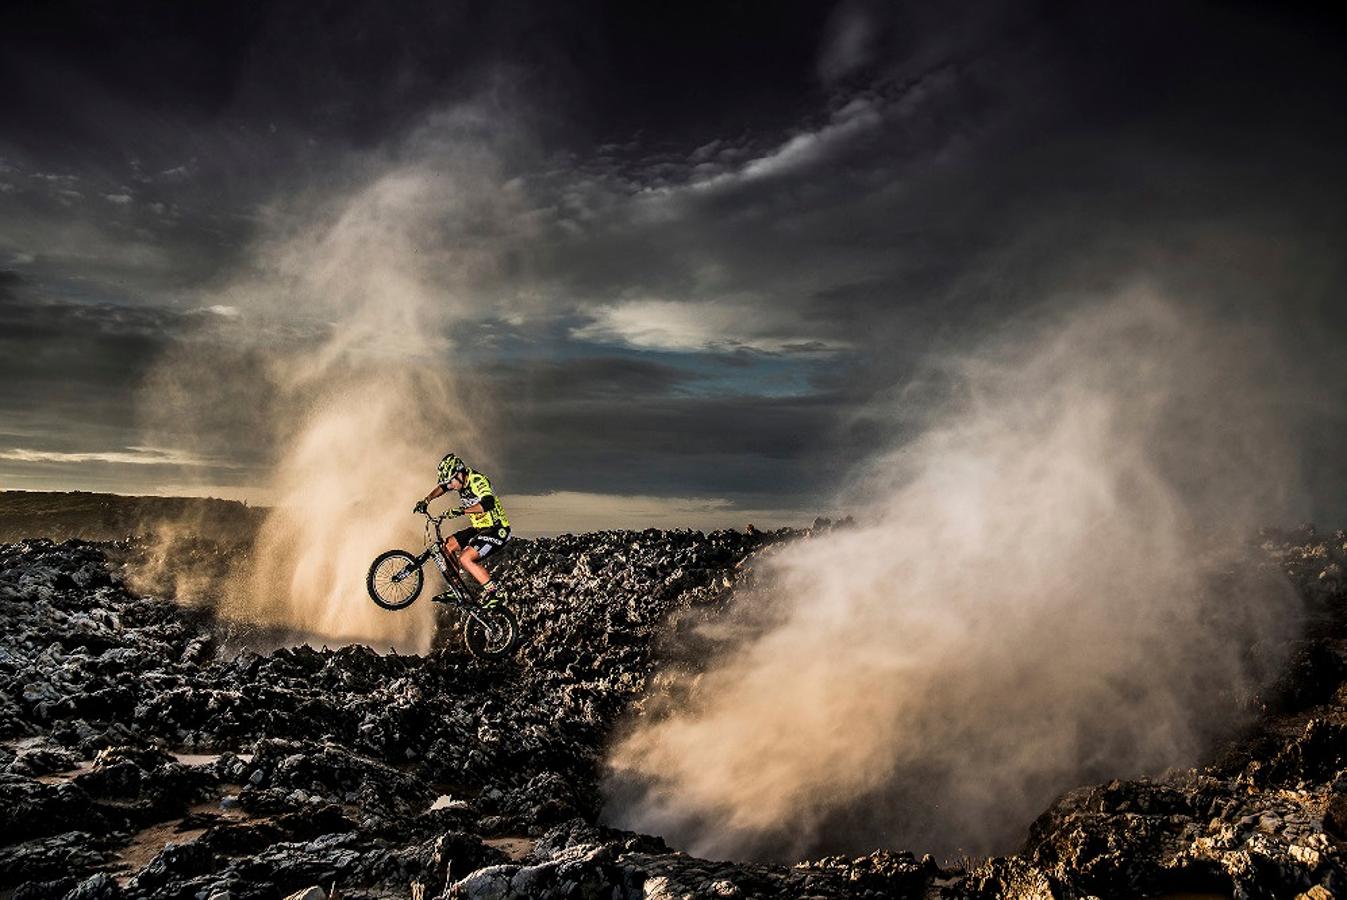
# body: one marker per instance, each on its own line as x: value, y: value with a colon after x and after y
x: 483, y: 540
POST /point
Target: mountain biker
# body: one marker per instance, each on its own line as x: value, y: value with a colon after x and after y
x: 488, y: 527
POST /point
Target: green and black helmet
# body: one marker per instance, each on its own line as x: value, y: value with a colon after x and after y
x: 450, y: 466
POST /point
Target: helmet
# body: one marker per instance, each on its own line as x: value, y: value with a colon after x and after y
x: 449, y: 466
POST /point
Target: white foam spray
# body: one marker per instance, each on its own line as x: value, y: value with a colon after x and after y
x: 352, y: 299
x: 1033, y: 601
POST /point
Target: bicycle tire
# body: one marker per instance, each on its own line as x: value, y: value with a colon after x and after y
x: 493, y: 643
x: 390, y: 594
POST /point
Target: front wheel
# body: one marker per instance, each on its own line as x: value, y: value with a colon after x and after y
x: 490, y: 633
x: 395, y: 579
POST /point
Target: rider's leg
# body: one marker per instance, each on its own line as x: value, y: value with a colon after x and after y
x: 450, y: 548
x: 491, y: 594
x: 468, y: 560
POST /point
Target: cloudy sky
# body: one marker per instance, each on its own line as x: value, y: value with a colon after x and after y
x: 737, y: 234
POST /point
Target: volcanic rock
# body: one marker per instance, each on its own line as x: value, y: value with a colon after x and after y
x: 145, y: 751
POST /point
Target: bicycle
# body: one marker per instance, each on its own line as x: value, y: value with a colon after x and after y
x: 396, y: 577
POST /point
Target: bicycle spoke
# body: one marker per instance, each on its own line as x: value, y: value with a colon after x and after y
x: 395, y: 585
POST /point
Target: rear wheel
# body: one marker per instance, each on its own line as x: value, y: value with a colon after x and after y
x: 490, y: 633
x: 395, y: 579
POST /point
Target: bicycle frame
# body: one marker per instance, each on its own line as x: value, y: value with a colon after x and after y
x: 451, y: 572
x: 482, y: 624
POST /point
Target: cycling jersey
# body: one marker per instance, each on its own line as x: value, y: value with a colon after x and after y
x: 477, y: 489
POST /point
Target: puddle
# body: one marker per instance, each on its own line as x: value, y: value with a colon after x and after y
x: 62, y: 777
x: 213, y: 807
x: 516, y: 848
x: 147, y: 844
x: 21, y: 745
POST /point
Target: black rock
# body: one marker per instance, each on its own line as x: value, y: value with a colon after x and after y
x: 332, y: 760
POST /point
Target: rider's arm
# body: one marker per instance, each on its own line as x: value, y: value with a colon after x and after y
x: 486, y: 504
x: 438, y: 491
x: 481, y: 490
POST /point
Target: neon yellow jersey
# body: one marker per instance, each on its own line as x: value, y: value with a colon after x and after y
x: 477, y: 489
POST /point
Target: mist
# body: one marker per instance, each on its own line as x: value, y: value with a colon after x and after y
x: 330, y: 368
x: 1048, y: 586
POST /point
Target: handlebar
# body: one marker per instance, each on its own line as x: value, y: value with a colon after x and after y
x: 442, y: 516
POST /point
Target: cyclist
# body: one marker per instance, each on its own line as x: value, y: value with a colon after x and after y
x: 488, y: 527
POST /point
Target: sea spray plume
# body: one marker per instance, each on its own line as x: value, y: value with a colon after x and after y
x: 1035, y: 602
x: 189, y: 556
x: 364, y: 289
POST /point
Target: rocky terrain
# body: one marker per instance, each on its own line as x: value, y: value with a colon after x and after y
x: 142, y: 754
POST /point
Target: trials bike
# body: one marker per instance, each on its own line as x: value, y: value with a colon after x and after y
x: 396, y: 577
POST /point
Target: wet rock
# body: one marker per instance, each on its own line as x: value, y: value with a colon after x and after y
x: 1335, y: 811
x: 41, y: 756
x: 1316, y: 754
x: 143, y: 784
x: 34, y: 809
x: 50, y: 857
x: 887, y: 874
x: 44, y: 890
x: 1192, y: 834
x: 241, y: 838
x: 174, y: 862
x: 611, y: 869
x: 330, y: 774
x: 446, y: 858
x: 1012, y: 878
x: 543, y: 801
x: 581, y: 833
x: 334, y: 858
x: 96, y: 887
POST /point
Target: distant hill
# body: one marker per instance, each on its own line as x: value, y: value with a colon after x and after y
x: 100, y: 517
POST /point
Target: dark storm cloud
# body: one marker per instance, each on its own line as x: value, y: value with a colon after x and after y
x: 680, y: 447
x: 143, y: 142
x: 741, y: 226
x: 628, y: 426
x: 925, y: 174
x: 102, y: 86
x: 69, y: 375
x: 86, y: 357
x: 1021, y: 168
x: 591, y: 379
